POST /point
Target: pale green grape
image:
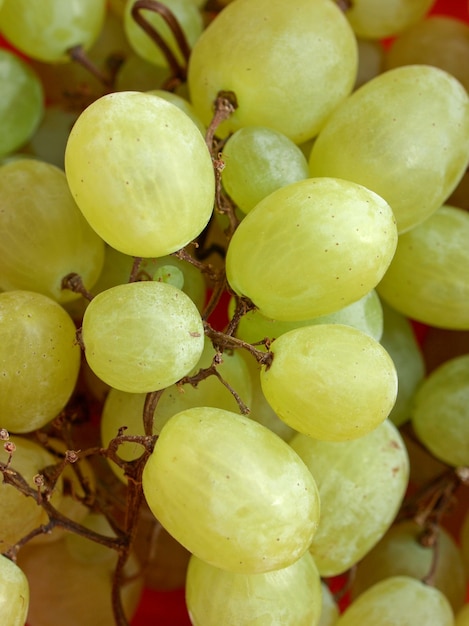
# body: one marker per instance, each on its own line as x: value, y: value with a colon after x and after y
x: 289, y: 596
x: 370, y: 60
x: 142, y: 336
x: 46, y: 31
x: 186, y: 13
x: 261, y: 411
x: 438, y: 40
x: 330, y: 381
x: 14, y: 593
x: 400, y: 553
x: 253, y: 506
x: 21, y: 104
x: 156, y: 192
x: 44, y: 235
x: 365, y: 314
x: 374, y: 19
x: 427, y: 278
x: 39, y: 357
x: 361, y: 487
x: 330, y: 609
x: 277, y: 58
x: 257, y: 161
x: 181, y: 103
x: 404, y: 135
x: 311, y: 248
x: 126, y: 409
x: 136, y: 74
x: 118, y: 266
x: 462, y: 616
x: 49, y: 141
x: 399, y: 601
x: 400, y: 342
x: 440, y: 412
x: 19, y: 515
x: 67, y: 590
x: 424, y: 467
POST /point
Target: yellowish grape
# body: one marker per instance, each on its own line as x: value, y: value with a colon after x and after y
x: 400, y: 553
x: 276, y: 58
x: 462, y: 617
x: 399, y: 601
x: 45, y: 237
x: 418, y: 111
x: 290, y: 596
x: 330, y: 609
x: 156, y: 192
x: 48, y: 31
x: 253, y: 506
x: 19, y: 515
x: 311, y: 248
x: 373, y: 19
x: 330, y: 381
x: 14, y: 593
x: 361, y: 486
x: 142, y: 336
x: 440, y: 412
x: 39, y: 357
x: 427, y: 278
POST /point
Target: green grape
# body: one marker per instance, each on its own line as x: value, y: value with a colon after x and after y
x: 187, y: 15
x: 49, y: 30
x: 373, y: 19
x: 126, y: 409
x: 400, y: 342
x: 21, y: 105
x: 365, y: 314
x: 400, y: 553
x: 261, y: 411
x: 156, y: 192
x: 424, y: 467
x: 118, y: 267
x: 418, y: 111
x: 39, y: 357
x: 143, y: 336
x: 370, y: 60
x: 427, y: 278
x: 67, y: 590
x: 49, y: 141
x: 438, y: 40
x: 311, y: 248
x: 45, y: 237
x: 330, y: 609
x: 136, y: 74
x: 399, y: 601
x: 181, y: 103
x: 361, y: 486
x: 289, y: 596
x: 440, y: 412
x: 19, y: 515
x: 257, y: 161
x: 253, y: 506
x: 330, y: 381
x: 88, y: 551
x: 276, y: 58
x: 462, y: 617
x: 14, y: 593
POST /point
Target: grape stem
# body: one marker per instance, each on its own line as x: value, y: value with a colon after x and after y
x: 178, y: 71
x: 78, y: 54
x: 223, y: 341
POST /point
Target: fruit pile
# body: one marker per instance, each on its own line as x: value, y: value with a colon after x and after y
x: 234, y: 313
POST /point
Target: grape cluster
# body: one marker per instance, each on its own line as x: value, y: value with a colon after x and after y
x: 229, y: 230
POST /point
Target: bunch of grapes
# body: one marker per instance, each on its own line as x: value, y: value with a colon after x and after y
x: 234, y: 306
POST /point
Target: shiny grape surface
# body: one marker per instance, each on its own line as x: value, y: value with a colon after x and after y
x: 14, y: 593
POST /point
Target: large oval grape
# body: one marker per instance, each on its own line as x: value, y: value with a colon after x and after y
x: 231, y: 491
x: 311, y: 248
x: 155, y: 193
